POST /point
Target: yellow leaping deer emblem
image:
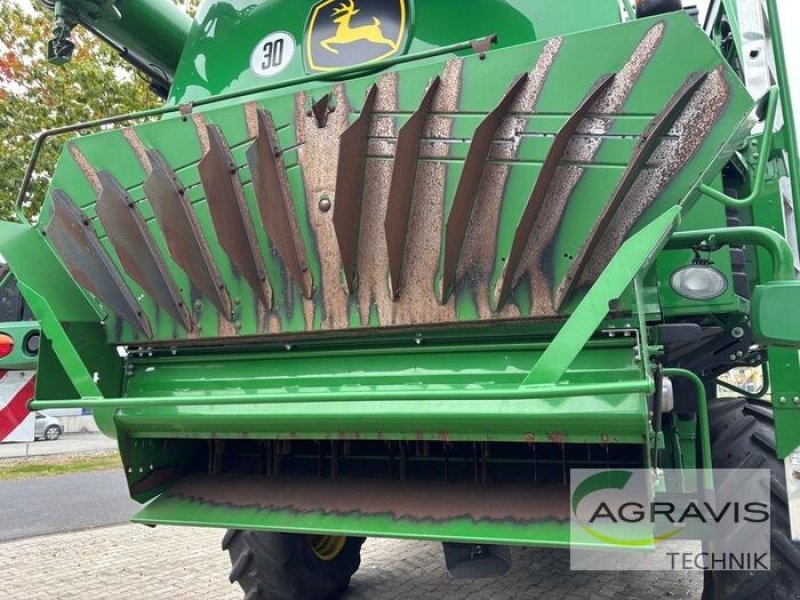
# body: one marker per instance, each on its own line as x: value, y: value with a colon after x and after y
x: 346, y: 34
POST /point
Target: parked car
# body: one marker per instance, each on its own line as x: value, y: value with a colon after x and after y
x: 47, y: 428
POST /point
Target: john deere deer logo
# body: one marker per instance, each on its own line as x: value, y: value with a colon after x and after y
x: 347, y: 34
x: 353, y: 32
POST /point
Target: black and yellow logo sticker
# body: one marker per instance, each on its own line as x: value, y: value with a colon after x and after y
x: 354, y: 32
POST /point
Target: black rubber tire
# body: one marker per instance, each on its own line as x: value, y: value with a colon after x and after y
x: 283, y: 566
x: 52, y: 433
x: 651, y: 8
x: 743, y: 436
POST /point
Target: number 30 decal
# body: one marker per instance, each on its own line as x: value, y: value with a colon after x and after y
x: 272, y: 54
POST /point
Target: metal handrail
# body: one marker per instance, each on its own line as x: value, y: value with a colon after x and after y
x: 761, y: 168
x: 184, y: 108
x: 702, y: 419
x: 521, y: 392
x: 790, y: 131
x: 771, y: 241
x: 750, y: 395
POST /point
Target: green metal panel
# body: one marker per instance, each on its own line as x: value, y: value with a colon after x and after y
x: 480, y: 85
x: 172, y: 510
x: 784, y: 376
x: 772, y: 303
x: 384, y: 393
x: 224, y: 34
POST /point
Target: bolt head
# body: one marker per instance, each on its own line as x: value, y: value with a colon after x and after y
x: 325, y: 204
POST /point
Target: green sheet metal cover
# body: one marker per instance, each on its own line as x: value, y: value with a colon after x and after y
x: 493, y: 121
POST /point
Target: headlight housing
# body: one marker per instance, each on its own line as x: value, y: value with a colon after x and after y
x: 698, y: 282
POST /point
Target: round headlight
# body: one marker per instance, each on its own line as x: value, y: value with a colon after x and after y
x: 698, y: 282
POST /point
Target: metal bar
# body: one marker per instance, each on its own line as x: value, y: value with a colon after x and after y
x: 761, y: 168
x: 72, y: 234
x: 469, y: 183
x: 401, y: 190
x: 37, y: 147
x: 790, y: 128
x: 350, y: 187
x: 632, y: 256
x: 752, y: 395
x: 275, y: 202
x: 542, y: 186
x: 702, y: 420
x: 649, y: 141
x: 128, y: 232
x: 771, y: 241
x: 284, y: 397
x: 165, y: 356
x: 305, y: 79
x: 182, y: 232
x: 230, y: 214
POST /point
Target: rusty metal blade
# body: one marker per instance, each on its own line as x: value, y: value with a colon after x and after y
x: 542, y: 186
x: 230, y: 214
x: 468, y: 185
x: 320, y: 110
x: 350, y: 187
x: 128, y: 232
x: 72, y: 235
x: 275, y: 202
x: 401, y: 191
x: 182, y: 232
x: 649, y: 141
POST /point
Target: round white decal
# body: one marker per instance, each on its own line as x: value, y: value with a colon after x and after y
x: 272, y: 54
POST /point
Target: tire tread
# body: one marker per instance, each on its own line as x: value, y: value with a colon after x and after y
x: 743, y: 435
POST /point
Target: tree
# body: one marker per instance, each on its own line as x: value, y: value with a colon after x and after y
x: 35, y: 96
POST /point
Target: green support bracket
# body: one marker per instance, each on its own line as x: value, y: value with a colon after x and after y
x: 784, y: 371
x: 70, y: 325
x: 634, y: 256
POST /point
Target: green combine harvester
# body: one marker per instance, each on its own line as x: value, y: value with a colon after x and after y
x: 394, y: 267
